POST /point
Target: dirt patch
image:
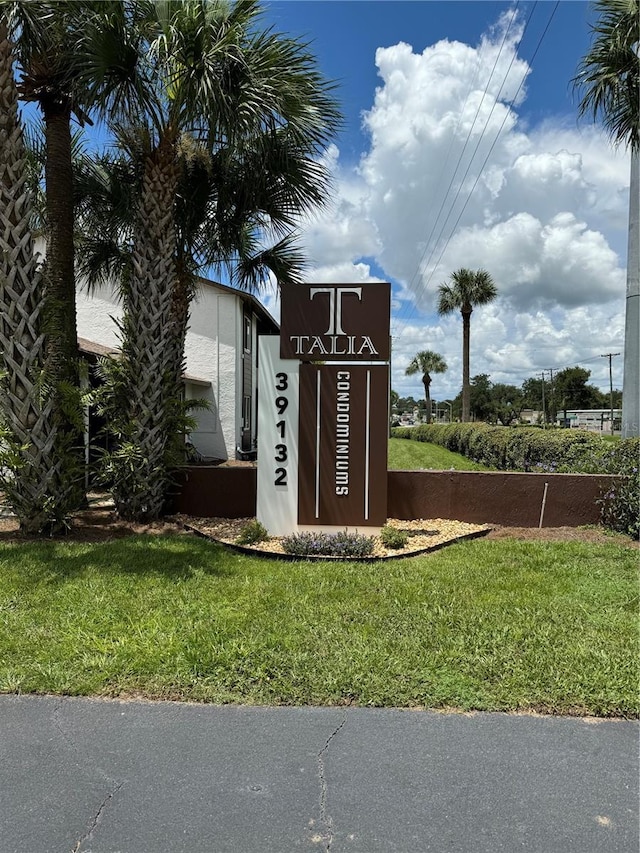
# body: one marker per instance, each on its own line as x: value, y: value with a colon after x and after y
x: 99, y: 525
x: 593, y: 535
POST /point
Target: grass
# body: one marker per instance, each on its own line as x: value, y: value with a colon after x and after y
x: 407, y: 455
x: 493, y: 625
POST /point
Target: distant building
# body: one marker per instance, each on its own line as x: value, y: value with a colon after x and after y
x: 594, y: 420
x: 530, y: 416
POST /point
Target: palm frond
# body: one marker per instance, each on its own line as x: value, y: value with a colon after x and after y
x: 608, y: 76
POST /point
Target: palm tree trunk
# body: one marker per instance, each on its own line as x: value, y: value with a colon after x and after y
x: 148, y: 355
x: 60, y: 299
x: 466, y: 383
x: 61, y: 294
x: 31, y: 466
x: 631, y: 380
x: 427, y: 396
x: 181, y: 296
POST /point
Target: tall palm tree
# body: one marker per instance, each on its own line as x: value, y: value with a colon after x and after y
x: 468, y: 288
x: 45, y: 38
x: 426, y: 362
x: 39, y: 489
x: 56, y: 71
x: 215, y: 75
x: 609, y: 79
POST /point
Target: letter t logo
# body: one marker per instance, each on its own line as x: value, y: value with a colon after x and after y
x: 335, y: 305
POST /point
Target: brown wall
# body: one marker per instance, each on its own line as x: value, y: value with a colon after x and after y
x: 507, y: 498
x: 495, y: 497
x: 212, y: 492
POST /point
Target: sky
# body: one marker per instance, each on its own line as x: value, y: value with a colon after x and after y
x: 461, y: 147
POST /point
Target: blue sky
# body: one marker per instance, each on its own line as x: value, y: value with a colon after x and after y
x: 461, y: 147
x: 344, y: 35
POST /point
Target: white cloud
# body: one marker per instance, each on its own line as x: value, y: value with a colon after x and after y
x: 545, y: 214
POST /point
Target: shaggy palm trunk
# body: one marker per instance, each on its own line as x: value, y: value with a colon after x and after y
x: 31, y: 469
x: 181, y: 296
x: 141, y: 474
x: 466, y: 384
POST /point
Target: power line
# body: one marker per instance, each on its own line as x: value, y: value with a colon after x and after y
x: 426, y: 282
x: 466, y: 142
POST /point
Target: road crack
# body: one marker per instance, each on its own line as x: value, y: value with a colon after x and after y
x: 326, y: 822
x: 96, y: 818
x: 86, y: 763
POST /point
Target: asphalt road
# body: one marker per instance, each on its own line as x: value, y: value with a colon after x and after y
x: 94, y: 776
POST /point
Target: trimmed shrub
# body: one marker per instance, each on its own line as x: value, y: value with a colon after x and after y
x: 620, y: 506
x: 393, y: 538
x: 252, y: 533
x: 342, y: 544
x: 517, y: 448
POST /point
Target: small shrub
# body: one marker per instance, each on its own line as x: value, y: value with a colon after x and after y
x: 340, y: 544
x: 393, y: 538
x: 620, y: 506
x: 252, y: 533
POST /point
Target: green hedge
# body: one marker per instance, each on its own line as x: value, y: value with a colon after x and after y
x: 517, y: 448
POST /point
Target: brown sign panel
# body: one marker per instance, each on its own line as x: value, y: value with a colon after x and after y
x: 335, y: 322
x: 342, y: 467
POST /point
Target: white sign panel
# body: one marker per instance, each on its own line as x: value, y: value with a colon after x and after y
x: 278, y: 404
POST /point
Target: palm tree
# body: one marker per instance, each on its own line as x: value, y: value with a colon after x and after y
x: 468, y: 288
x: 38, y: 487
x: 426, y: 362
x: 609, y: 78
x: 239, y: 92
x: 55, y: 59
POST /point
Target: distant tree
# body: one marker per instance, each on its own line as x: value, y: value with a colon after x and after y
x: 426, y: 362
x: 572, y: 391
x: 480, y: 397
x: 609, y: 80
x: 467, y: 289
x: 506, y: 402
x: 532, y: 394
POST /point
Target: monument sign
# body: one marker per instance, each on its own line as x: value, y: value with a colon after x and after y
x: 332, y: 468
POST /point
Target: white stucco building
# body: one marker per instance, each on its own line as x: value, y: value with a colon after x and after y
x: 221, y: 360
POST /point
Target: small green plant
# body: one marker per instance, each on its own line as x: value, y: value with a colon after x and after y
x: 620, y: 506
x: 340, y: 544
x: 393, y: 538
x: 252, y: 533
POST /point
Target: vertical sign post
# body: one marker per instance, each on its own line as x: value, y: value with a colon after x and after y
x: 277, y: 499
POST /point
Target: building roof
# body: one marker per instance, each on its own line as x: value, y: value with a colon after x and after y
x: 93, y: 348
x: 245, y: 296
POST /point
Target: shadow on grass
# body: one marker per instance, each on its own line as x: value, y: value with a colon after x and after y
x: 177, y: 557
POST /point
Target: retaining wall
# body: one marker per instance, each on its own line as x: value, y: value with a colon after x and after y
x: 494, y: 497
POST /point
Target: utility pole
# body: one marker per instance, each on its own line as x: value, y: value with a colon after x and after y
x: 552, y: 398
x: 610, y: 355
x: 544, y: 411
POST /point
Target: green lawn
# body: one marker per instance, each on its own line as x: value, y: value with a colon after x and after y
x: 484, y: 624
x: 407, y: 455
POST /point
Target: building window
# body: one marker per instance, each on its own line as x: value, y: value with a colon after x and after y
x: 246, y: 413
x: 247, y: 333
